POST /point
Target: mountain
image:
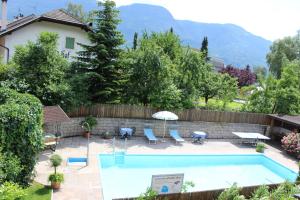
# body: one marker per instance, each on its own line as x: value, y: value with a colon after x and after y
x: 229, y: 42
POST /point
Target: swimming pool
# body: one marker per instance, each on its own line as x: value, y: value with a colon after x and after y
x: 125, y: 175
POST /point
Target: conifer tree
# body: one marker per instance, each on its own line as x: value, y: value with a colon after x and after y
x: 204, y: 47
x: 98, y: 65
x: 171, y: 30
x: 135, y: 38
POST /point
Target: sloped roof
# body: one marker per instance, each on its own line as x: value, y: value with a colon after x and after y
x: 57, y: 16
x: 295, y: 120
x: 63, y: 16
x: 54, y: 114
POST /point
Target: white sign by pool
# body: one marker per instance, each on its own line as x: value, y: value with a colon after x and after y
x: 167, y: 183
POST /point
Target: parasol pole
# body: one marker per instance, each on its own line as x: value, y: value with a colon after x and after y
x: 164, y: 129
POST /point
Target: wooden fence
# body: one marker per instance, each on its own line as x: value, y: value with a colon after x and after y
x: 204, y: 195
x: 140, y: 112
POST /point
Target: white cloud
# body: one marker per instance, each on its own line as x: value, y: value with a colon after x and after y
x: 271, y: 19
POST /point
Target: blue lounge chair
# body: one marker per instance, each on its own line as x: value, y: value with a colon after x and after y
x: 150, y: 135
x: 175, y: 135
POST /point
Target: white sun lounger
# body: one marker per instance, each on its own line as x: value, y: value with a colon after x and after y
x: 150, y: 135
x: 252, y: 138
x: 175, y: 135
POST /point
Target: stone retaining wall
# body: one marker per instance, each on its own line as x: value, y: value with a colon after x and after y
x: 214, y: 130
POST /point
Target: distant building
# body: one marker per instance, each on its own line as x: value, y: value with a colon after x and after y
x: 71, y: 31
x: 217, y: 63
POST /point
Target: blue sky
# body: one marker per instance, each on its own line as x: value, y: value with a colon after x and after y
x: 271, y: 19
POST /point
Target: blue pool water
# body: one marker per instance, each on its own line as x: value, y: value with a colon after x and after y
x: 125, y: 175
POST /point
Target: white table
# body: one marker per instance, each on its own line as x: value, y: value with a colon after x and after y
x: 250, y: 137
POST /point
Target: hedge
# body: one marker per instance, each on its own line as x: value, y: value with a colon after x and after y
x: 21, y: 129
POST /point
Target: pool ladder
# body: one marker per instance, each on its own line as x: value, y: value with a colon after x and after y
x: 119, y: 156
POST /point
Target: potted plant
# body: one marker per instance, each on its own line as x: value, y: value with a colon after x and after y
x: 106, y: 135
x: 88, y: 124
x: 56, y: 178
x: 260, y: 147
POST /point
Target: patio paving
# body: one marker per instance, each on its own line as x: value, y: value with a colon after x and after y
x: 83, y: 183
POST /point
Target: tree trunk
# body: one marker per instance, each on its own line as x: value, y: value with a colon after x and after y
x: 206, y: 100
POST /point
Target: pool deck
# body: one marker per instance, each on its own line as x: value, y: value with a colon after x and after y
x: 83, y: 183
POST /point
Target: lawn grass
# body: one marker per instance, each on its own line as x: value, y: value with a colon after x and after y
x: 217, y: 104
x: 38, y: 191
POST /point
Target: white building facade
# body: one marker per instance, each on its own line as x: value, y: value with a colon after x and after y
x: 69, y: 37
x: 70, y: 30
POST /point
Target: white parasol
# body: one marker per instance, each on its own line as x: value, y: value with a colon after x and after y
x: 165, y: 115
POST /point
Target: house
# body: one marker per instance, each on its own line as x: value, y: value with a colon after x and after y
x: 217, y: 63
x: 281, y: 125
x: 71, y: 31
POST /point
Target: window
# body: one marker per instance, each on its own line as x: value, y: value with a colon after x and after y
x: 70, y: 42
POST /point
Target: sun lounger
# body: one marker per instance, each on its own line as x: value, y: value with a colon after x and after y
x: 150, y: 135
x: 175, y: 135
x: 251, y: 138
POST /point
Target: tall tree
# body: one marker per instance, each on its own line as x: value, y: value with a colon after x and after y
x: 40, y: 66
x: 260, y: 71
x: 228, y: 89
x: 204, y: 47
x: 280, y: 96
x: 152, y: 75
x: 135, y: 41
x: 244, y: 76
x: 262, y: 99
x: 77, y: 11
x: 191, y: 65
x: 287, y: 48
x: 98, y: 65
x: 288, y: 91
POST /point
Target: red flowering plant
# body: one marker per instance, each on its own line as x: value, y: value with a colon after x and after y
x: 291, y: 144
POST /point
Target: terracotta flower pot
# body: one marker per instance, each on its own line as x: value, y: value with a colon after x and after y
x: 55, y: 185
x: 86, y: 134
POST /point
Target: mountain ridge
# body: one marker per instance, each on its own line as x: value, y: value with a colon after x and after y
x: 229, y: 42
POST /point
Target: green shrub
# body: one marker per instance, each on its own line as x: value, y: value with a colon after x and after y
x: 232, y: 193
x: 21, y: 129
x: 55, y: 161
x: 260, y: 147
x: 106, y: 135
x: 261, y: 193
x: 148, y: 195
x: 186, y: 185
x: 10, y: 168
x: 56, y: 177
x: 285, y: 191
x: 92, y: 121
x: 11, y: 191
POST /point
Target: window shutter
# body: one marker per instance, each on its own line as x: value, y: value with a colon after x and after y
x: 70, y: 43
